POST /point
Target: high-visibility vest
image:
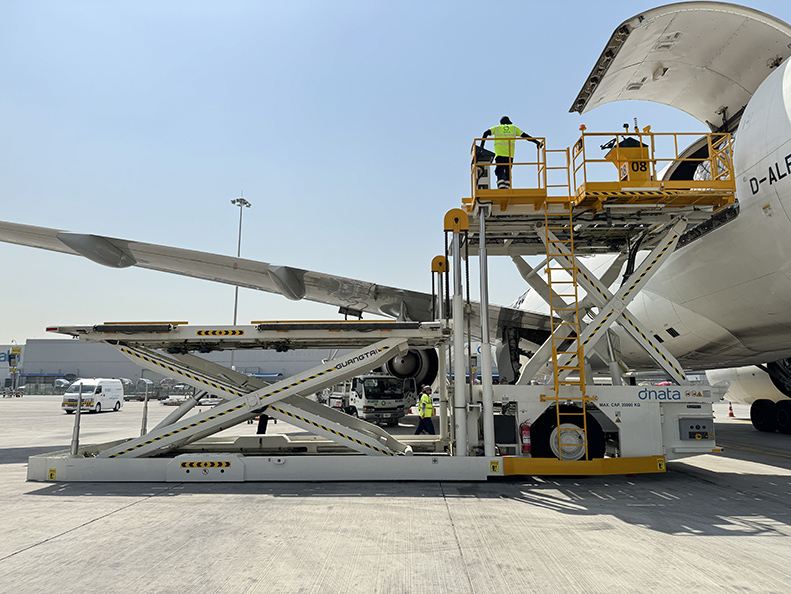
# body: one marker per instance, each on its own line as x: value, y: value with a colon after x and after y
x: 426, y: 406
x: 504, y: 135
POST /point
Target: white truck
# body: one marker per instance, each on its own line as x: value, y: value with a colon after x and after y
x: 98, y: 394
x: 380, y: 398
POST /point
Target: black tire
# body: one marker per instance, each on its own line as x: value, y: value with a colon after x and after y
x: 98, y: 408
x: 117, y: 407
x: 542, y: 429
x: 69, y: 412
x: 763, y: 414
x: 783, y: 416
x: 353, y: 412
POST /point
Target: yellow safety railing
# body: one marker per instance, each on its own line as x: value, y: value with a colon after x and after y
x: 640, y: 158
x: 542, y: 173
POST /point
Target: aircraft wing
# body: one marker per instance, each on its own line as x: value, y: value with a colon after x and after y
x: 292, y: 283
x: 699, y: 57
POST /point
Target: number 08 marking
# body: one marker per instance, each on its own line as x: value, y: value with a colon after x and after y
x: 639, y: 166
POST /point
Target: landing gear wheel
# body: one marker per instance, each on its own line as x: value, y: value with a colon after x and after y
x: 544, y: 432
x: 763, y: 414
x: 783, y: 416
x: 117, y: 407
x: 98, y: 408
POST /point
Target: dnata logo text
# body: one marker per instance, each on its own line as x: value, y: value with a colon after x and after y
x: 661, y: 394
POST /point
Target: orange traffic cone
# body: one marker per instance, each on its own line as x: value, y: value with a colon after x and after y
x: 730, y: 410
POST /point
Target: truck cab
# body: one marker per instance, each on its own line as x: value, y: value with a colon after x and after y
x: 378, y: 398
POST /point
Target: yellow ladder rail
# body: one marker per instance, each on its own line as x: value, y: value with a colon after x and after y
x: 564, y: 314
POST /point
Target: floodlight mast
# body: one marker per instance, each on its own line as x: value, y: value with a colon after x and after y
x: 242, y: 204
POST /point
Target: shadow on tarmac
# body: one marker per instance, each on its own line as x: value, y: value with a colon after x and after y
x: 20, y: 455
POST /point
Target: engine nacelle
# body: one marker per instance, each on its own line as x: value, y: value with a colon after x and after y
x: 423, y: 365
x: 748, y: 384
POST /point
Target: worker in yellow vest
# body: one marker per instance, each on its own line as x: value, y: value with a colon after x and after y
x: 425, y: 409
x: 504, y: 142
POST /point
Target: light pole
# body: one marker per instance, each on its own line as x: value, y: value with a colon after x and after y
x: 242, y: 204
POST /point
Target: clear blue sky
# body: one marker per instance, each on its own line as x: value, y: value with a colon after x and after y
x: 347, y: 124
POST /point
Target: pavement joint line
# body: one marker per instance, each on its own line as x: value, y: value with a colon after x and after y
x: 103, y: 516
x: 456, y: 537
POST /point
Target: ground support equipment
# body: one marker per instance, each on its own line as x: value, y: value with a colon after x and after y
x: 571, y: 424
x: 183, y: 447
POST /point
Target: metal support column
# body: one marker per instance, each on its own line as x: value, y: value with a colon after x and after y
x: 440, y: 266
x: 456, y: 221
x: 486, y: 347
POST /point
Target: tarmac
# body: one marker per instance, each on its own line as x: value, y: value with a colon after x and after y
x: 713, y: 523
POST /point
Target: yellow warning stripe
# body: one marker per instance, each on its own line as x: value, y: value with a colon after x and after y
x: 181, y: 429
x: 215, y: 464
x: 307, y: 379
x: 651, y: 265
x: 220, y: 332
x: 181, y: 372
x: 656, y: 193
x: 242, y: 405
x: 653, y: 346
x: 631, y: 288
x: 330, y: 430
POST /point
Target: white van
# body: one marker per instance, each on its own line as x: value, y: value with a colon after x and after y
x: 98, y: 394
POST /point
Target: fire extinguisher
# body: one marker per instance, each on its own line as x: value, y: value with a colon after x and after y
x: 524, y: 435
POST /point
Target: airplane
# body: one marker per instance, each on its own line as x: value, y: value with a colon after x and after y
x: 720, y: 302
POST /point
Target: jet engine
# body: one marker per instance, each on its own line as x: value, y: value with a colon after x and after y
x: 422, y: 365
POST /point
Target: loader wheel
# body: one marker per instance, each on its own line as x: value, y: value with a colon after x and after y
x: 763, y: 414
x: 545, y: 431
x: 783, y: 416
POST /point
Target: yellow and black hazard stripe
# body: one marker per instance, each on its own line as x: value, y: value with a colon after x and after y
x: 330, y: 430
x: 215, y: 464
x: 220, y: 332
x: 651, y: 265
x: 181, y: 429
x: 307, y: 379
x: 653, y: 346
x: 181, y: 372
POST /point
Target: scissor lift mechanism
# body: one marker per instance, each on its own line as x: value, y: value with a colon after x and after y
x: 544, y: 219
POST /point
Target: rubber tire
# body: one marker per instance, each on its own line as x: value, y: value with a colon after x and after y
x: 783, y: 416
x: 354, y: 413
x: 763, y: 415
x: 117, y: 407
x: 541, y: 430
x: 69, y: 412
x: 98, y: 408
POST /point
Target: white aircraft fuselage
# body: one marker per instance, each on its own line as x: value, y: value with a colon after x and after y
x: 727, y: 293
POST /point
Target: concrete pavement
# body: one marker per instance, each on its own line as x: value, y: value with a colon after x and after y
x: 711, y: 524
